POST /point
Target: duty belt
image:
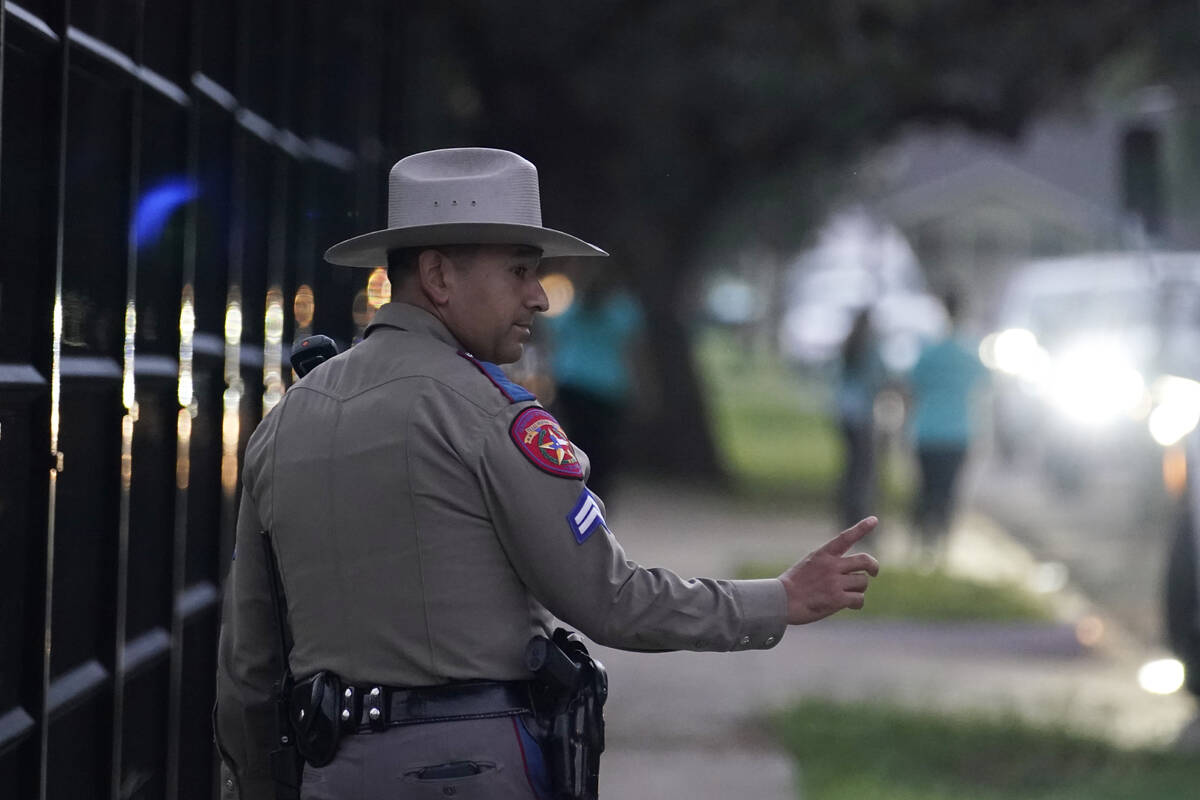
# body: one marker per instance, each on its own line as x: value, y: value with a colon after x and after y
x: 368, y: 708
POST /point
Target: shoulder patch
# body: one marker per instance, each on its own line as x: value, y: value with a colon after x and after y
x: 539, y: 436
x: 513, y: 391
x: 586, y: 516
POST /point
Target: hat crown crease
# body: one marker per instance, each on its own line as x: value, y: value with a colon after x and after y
x: 474, y: 186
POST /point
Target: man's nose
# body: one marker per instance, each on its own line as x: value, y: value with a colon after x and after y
x: 538, y: 299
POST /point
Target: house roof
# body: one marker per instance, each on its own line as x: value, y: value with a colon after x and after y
x: 1064, y: 169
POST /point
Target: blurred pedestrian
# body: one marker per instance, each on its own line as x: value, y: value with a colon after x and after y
x: 861, y: 376
x: 942, y: 385
x: 592, y: 361
x: 413, y: 525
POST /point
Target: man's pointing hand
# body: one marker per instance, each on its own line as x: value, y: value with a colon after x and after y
x: 827, y: 580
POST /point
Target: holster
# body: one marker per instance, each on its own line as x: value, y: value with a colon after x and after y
x: 306, y: 718
x: 313, y: 712
x: 571, y: 690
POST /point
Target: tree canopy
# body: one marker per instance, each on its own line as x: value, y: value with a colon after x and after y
x: 647, y: 120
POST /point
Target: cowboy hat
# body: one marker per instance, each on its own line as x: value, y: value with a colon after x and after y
x: 466, y: 195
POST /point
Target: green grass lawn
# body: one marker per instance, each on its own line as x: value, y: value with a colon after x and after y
x: 905, y: 593
x: 773, y: 429
x: 865, y: 751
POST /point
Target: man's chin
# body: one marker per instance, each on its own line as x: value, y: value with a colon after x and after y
x: 516, y: 355
x: 509, y: 355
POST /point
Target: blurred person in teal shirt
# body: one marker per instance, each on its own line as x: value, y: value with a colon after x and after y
x: 592, y: 361
x: 942, y: 386
x: 861, y: 376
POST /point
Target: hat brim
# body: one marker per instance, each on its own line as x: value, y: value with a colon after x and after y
x: 371, y: 249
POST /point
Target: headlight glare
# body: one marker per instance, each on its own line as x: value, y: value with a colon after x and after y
x: 1176, y: 411
x: 1094, y: 384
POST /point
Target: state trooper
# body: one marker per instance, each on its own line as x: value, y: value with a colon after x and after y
x: 425, y: 518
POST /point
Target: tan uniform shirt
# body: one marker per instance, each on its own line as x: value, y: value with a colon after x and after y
x: 427, y: 522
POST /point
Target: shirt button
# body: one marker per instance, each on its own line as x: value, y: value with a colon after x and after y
x: 745, y: 642
x: 229, y: 784
x: 770, y: 640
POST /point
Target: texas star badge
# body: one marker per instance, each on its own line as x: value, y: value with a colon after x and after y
x: 541, y: 439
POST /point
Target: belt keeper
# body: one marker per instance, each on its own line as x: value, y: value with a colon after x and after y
x: 351, y: 711
x: 373, y: 705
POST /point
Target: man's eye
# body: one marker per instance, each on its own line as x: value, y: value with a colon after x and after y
x: 520, y: 272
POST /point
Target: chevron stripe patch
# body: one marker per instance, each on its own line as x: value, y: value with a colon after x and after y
x: 586, y: 516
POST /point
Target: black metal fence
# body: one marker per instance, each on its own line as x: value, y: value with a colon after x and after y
x: 169, y: 175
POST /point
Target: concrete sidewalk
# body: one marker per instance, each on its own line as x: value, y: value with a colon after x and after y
x: 689, y: 724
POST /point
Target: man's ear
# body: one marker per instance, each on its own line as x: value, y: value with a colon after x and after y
x: 432, y: 272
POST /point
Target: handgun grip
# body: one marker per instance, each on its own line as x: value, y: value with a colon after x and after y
x: 546, y: 660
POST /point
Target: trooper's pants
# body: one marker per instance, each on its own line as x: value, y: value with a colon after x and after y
x: 497, y: 759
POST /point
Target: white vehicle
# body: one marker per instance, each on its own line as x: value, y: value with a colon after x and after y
x: 1093, y: 355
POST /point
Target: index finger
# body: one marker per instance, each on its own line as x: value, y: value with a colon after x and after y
x: 839, y: 544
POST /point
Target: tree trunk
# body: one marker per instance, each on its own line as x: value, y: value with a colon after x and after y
x: 674, y: 437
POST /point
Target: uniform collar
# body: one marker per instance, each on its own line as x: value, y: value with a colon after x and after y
x: 407, y: 317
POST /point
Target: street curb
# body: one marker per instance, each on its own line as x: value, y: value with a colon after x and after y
x: 1050, y: 580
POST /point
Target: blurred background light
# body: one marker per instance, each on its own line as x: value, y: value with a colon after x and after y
x: 187, y: 336
x: 560, y: 290
x: 128, y: 390
x: 1176, y: 411
x: 273, y: 319
x: 361, y: 310
x: 1093, y: 383
x: 156, y: 206
x: 1048, y: 577
x: 127, y: 422
x: 1089, y: 631
x: 233, y: 322
x: 231, y: 398
x: 273, y: 349
x: 1014, y: 351
x: 890, y: 411
x: 1174, y: 470
x: 1164, y: 676
x: 183, y: 438
x: 303, y: 306
x: 231, y: 431
x: 379, y: 288
x: 733, y: 301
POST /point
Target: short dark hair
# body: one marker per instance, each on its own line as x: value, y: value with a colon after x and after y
x: 403, y: 261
